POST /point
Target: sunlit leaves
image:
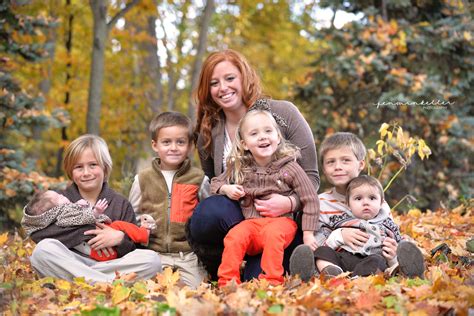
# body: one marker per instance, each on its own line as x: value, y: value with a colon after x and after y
x: 120, y: 293
x: 3, y: 238
x: 409, y: 69
x: 22, y: 117
x: 446, y: 283
x: 393, y: 155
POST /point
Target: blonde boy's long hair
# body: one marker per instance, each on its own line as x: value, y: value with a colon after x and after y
x: 96, y: 144
x: 239, y: 158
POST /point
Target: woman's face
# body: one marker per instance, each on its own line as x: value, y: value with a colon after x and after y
x: 226, y: 86
x: 87, y: 174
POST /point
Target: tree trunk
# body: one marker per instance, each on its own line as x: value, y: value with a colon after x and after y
x: 201, y: 49
x: 99, y: 40
x: 174, y: 69
x: 46, y: 71
x: 99, y: 11
x: 67, y: 95
x: 383, y: 8
x: 153, y: 67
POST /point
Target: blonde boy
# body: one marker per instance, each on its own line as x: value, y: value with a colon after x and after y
x: 169, y: 190
x: 343, y: 158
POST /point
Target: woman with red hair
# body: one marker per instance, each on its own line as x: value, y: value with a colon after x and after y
x: 228, y: 88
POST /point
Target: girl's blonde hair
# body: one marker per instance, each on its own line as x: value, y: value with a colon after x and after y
x: 79, y: 145
x: 239, y: 158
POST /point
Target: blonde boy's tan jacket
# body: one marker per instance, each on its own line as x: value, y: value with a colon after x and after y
x: 171, y: 210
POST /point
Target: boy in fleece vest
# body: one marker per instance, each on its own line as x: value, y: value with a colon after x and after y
x: 169, y: 190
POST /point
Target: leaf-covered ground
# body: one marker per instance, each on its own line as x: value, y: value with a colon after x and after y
x: 448, y: 287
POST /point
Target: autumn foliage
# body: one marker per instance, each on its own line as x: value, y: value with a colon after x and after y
x: 400, y: 77
x: 446, y: 289
x: 407, y: 63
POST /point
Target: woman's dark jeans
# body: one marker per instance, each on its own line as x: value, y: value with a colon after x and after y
x: 209, y: 224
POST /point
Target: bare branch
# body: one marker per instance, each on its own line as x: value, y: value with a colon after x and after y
x: 121, y: 13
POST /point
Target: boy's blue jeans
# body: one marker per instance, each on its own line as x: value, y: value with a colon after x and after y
x: 214, y: 217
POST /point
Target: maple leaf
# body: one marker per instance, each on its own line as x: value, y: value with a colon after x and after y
x: 120, y: 293
x: 168, y: 278
x: 367, y: 301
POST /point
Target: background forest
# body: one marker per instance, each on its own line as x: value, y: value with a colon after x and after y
x: 68, y: 67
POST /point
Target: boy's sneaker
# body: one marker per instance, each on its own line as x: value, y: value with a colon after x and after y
x: 302, y: 262
x: 331, y: 271
x: 410, y: 260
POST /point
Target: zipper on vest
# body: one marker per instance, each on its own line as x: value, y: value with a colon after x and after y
x: 168, y: 239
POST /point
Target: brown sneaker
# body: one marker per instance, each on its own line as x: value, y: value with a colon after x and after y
x: 410, y: 260
x: 331, y: 271
x: 302, y: 262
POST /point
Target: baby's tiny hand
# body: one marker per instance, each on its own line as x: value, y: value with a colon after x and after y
x: 82, y: 202
x: 148, y: 222
x: 100, y: 206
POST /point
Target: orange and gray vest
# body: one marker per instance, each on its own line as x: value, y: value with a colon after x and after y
x: 172, y: 209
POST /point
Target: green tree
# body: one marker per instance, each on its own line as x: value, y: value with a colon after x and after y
x: 21, y: 113
x: 405, y: 62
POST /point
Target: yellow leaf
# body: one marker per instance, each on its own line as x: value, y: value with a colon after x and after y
x: 168, y: 277
x: 400, y: 137
x: 421, y: 154
x: 371, y: 153
x: 380, y: 144
x: 3, y: 238
x: 63, y: 285
x: 438, y: 285
x: 140, y: 288
x: 423, y: 149
x: 414, y: 212
x: 383, y: 129
x: 467, y: 36
x: 120, y: 293
x: 393, y: 26
x: 21, y: 252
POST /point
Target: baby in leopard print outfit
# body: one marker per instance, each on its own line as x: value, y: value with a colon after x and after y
x: 50, y: 207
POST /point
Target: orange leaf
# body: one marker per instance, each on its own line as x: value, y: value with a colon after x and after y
x: 367, y: 301
x: 3, y: 238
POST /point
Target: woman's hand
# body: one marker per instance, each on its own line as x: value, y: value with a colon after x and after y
x: 105, y: 237
x: 275, y: 206
x: 354, y: 238
x: 389, y: 248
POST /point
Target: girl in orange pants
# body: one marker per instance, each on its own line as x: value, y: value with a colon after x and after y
x: 269, y: 236
x: 261, y: 163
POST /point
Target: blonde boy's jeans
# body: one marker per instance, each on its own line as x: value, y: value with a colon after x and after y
x: 192, y: 273
x: 52, y: 258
